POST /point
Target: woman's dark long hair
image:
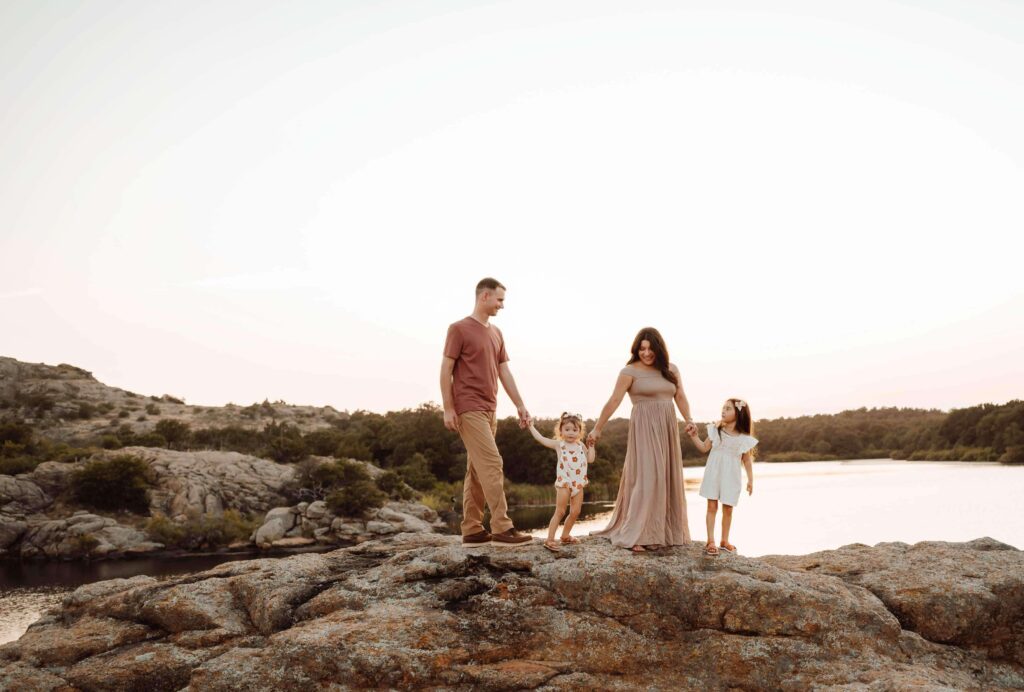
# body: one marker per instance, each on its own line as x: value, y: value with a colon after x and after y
x: 653, y: 336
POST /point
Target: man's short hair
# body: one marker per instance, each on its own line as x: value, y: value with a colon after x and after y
x: 488, y: 284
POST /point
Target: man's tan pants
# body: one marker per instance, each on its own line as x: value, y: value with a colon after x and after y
x: 485, y: 475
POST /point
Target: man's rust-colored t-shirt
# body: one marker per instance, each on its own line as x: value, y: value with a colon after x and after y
x: 477, y: 351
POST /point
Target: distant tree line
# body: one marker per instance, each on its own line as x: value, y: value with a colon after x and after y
x: 415, y: 444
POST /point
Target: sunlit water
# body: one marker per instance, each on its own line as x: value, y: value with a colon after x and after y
x: 801, y: 508
x: 796, y: 508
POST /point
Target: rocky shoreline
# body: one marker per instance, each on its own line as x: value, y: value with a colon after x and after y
x: 419, y: 610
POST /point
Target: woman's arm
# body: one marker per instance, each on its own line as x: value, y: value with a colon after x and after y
x: 680, y: 397
x: 621, y: 387
x: 749, y: 466
x: 549, y: 443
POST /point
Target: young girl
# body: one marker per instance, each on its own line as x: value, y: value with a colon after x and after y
x: 573, y: 457
x: 731, y: 443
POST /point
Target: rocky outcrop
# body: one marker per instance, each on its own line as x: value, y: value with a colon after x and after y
x: 53, y: 397
x: 419, y: 610
x: 313, y: 522
x: 19, y: 495
x: 977, y: 606
x: 83, y: 535
x: 210, y: 482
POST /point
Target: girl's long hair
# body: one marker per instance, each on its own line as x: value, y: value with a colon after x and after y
x: 660, y: 352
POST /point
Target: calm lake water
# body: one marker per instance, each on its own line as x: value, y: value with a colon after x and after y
x: 796, y: 508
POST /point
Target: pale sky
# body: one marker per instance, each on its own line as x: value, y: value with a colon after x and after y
x: 819, y: 204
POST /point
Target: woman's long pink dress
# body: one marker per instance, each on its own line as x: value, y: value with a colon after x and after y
x: 651, y: 507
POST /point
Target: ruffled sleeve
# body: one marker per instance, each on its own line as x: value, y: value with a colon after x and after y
x: 747, y: 443
x: 713, y: 434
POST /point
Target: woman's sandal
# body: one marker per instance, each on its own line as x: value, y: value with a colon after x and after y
x: 569, y: 540
x: 710, y: 549
x: 552, y: 546
x: 728, y: 547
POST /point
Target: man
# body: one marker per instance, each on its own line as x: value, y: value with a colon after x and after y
x: 474, y: 361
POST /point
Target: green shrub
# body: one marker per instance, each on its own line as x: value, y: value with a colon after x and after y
x: 141, y: 418
x: 15, y: 432
x: 12, y: 466
x: 111, y: 442
x: 175, y: 432
x: 416, y: 472
x: 123, y: 413
x: 393, y: 485
x: 84, y: 543
x: 162, y: 530
x: 284, y: 443
x: 202, y: 530
x: 356, y: 499
x: 173, y: 399
x: 66, y: 454
x: 152, y: 439
x: 118, y: 483
x: 1013, y: 455
x: 105, y: 408
x: 153, y: 409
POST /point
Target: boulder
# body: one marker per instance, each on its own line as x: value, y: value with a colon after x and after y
x: 82, y: 535
x: 969, y: 595
x: 278, y: 522
x: 19, y: 495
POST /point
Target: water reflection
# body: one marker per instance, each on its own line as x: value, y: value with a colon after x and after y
x: 800, y: 508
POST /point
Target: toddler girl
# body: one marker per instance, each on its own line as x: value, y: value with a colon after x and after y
x: 573, y: 457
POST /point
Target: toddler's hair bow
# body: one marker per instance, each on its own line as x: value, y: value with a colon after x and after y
x: 740, y: 403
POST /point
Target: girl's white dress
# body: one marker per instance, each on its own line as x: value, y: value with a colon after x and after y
x: 723, y: 477
x: 572, y: 467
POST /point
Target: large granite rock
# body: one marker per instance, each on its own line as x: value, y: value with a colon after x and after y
x: 419, y: 610
x: 314, y: 521
x: 210, y: 482
x: 83, y: 535
x: 19, y: 495
x: 977, y: 604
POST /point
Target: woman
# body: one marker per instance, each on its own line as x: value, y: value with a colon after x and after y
x: 650, y: 510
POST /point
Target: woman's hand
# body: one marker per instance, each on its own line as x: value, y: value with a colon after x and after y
x: 750, y: 487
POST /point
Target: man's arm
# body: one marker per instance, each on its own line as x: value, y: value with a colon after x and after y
x: 451, y: 419
x: 509, y: 383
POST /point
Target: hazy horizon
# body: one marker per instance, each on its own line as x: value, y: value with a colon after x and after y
x: 817, y: 205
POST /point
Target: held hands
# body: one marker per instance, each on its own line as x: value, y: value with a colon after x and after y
x: 592, y: 437
x: 691, y: 429
x: 525, y: 420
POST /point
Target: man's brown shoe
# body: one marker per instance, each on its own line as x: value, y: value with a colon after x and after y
x: 478, y: 538
x: 511, y: 538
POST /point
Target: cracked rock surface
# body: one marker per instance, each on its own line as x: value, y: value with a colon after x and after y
x: 419, y: 610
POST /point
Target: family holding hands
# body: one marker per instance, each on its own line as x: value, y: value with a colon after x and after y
x: 650, y: 509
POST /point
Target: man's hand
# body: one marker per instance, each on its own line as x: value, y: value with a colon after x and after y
x: 451, y: 419
x: 524, y: 418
